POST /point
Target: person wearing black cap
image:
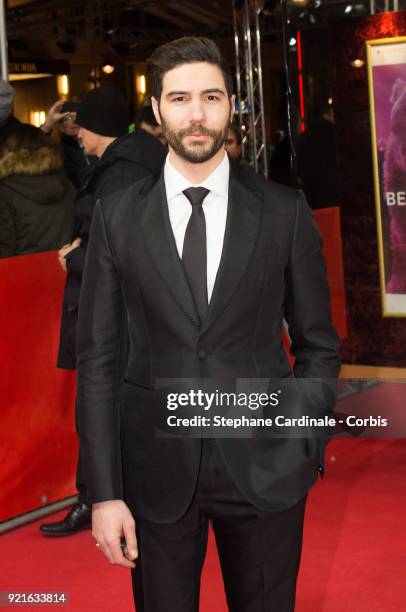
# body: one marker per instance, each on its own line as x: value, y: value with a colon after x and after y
x: 76, y: 162
x: 103, y: 119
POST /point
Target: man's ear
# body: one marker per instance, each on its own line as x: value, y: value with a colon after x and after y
x: 155, y: 108
x: 232, y: 104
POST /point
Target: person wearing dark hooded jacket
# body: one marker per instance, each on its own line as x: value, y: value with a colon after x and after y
x: 103, y: 119
x: 36, y: 198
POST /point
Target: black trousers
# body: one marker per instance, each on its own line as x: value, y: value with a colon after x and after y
x: 83, y: 493
x: 259, y: 551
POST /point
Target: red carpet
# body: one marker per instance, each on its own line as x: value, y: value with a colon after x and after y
x: 354, y: 555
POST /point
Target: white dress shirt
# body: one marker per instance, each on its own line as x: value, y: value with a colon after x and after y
x: 214, y: 207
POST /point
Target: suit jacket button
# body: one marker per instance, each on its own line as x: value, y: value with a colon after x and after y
x: 202, y: 355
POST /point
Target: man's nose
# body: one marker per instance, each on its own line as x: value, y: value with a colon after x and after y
x: 197, y: 112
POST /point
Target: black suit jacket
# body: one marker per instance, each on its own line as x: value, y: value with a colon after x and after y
x: 271, y: 268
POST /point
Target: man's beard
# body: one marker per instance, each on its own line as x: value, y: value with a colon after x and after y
x: 196, y: 152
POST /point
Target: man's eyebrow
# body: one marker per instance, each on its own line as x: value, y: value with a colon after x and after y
x: 205, y: 91
x: 214, y: 90
x: 177, y: 93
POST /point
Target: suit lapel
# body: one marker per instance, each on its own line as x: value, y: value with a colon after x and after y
x: 242, y: 226
x: 162, y: 248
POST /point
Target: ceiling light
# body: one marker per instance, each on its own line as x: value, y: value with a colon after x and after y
x: 299, y: 3
x: 357, y: 63
x: 108, y: 68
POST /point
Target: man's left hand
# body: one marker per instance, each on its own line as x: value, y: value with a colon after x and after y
x: 67, y: 248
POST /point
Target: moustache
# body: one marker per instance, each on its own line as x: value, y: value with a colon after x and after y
x: 201, y: 130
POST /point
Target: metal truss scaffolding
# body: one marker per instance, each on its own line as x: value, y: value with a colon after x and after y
x: 3, y: 42
x: 250, y: 97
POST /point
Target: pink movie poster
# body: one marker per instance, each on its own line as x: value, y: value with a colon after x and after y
x: 387, y: 87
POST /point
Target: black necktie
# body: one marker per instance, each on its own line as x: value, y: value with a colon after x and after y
x: 194, y: 255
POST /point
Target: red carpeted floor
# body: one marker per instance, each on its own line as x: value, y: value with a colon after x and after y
x: 354, y: 556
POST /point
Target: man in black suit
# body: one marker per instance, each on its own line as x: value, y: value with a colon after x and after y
x: 198, y: 269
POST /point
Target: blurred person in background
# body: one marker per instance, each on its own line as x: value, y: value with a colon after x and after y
x: 7, y: 120
x: 280, y: 165
x: 75, y: 160
x: 147, y: 123
x: 122, y: 159
x: 233, y: 142
x: 36, y: 198
x: 317, y: 159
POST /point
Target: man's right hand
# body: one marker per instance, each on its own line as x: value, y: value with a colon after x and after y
x: 111, y: 520
x: 53, y: 116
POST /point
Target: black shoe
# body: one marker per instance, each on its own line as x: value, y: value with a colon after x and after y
x: 79, y: 518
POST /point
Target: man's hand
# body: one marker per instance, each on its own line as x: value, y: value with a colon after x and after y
x: 110, y: 521
x: 67, y: 248
x: 53, y: 116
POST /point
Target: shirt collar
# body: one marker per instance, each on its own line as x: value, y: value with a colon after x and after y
x: 217, y: 181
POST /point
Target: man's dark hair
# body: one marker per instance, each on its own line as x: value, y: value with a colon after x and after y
x: 237, y: 132
x: 187, y: 50
x: 146, y: 115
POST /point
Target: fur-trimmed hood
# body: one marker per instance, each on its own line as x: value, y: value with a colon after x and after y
x: 45, y: 160
x: 34, y: 175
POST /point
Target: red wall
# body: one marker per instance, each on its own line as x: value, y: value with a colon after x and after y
x: 38, y: 445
